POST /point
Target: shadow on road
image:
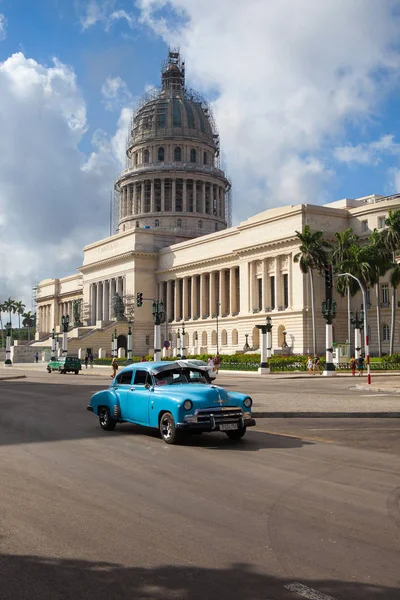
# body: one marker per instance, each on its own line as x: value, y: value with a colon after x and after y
x: 42, y: 578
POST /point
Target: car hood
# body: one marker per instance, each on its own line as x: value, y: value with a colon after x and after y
x: 206, y: 394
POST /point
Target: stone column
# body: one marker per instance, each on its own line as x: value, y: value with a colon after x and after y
x: 94, y: 304
x: 173, y: 192
x: 176, y: 300
x: 142, y: 197
x: 162, y: 195
x: 251, y: 286
x: 290, y: 282
x: 222, y: 292
x: 106, y: 300
x: 152, y: 207
x: 112, y: 297
x: 185, y: 298
x: 169, y: 301
x: 194, y: 196
x: 184, y: 196
x: 202, y: 294
x: 265, y: 298
x: 232, y: 290
x: 277, y: 284
x: 203, y: 198
x: 213, y: 300
x: 99, y: 301
x: 194, y: 307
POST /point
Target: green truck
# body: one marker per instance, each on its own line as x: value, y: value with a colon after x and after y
x: 63, y: 364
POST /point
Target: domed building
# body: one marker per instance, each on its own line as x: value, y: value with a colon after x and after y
x: 173, y: 241
x: 173, y: 180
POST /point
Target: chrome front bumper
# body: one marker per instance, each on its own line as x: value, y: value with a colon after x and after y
x: 211, y: 419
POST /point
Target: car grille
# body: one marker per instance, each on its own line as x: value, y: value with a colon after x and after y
x: 220, y: 415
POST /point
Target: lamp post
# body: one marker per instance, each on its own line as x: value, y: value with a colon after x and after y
x: 65, y: 325
x: 265, y: 346
x: 8, y: 362
x: 57, y: 345
x: 246, y: 345
x: 329, y: 313
x: 178, y: 344
x: 158, y: 317
x: 366, y: 339
x: 115, y: 344
x: 357, y: 320
x: 53, y: 343
x: 129, y: 344
x: 196, y: 341
x: 183, y: 350
x: 218, y: 305
x: 284, y: 343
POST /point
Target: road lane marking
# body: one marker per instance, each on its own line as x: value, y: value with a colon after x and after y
x: 307, y: 592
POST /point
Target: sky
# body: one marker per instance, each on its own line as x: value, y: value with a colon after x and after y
x: 305, y: 95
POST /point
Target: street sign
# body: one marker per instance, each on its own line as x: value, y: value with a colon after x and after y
x: 167, y: 344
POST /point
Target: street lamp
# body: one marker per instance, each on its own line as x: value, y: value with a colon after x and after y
x: 329, y: 313
x: 129, y: 344
x: 246, y: 345
x: 53, y: 343
x: 265, y: 346
x: 366, y: 339
x: 65, y: 325
x: 115, y: 344
x: 218, y: 305
x: 8, y: 361
x: 183, y: 341
x: 158, y: 317
x: 357, y: 321
x: 178, y: 344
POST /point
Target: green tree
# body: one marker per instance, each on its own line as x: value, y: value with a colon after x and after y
x: 9, y: 307
x: 29, y: 321
x: 345, y: 286
x: 312, y: 256
x: 380, y: 259
x: 19, y: 309
x: 392, y: 239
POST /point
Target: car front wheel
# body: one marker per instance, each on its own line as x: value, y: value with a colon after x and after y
x: 106, y: 421
x: 236, y: 434
x: 168, y: 430
x: 48, y: 369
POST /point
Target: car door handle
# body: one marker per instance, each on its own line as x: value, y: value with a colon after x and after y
x: 133, y: 389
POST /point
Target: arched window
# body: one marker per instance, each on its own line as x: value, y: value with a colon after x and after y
x: 204, y: 338
x: 137, y: 223
x: 200, y: 224
x: 255, y: 338
x: 224, y: 337
x: 136, y: 158
x: 146, y: 156
x: 205, y: 158
x: 193, y: 155
x: 179, y: 223
x: 178, y: 154
x: 385, y: 333
x: 213, y: 338
x: 161, y: 154
x: 157, y: 223
x: 235, y: 337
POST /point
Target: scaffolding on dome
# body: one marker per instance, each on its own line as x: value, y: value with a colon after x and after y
x: 114, y: 211
x: 228, y: 203
x: 34, y: 296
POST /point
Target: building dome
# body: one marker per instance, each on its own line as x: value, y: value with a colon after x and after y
x: 173, y: 180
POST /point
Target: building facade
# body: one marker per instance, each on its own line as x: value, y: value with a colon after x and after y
x: 173, y: 243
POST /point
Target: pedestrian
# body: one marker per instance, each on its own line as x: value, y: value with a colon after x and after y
x: 353, y: 364
x: 316, y: 364
x: 310, y: 365
x: 143, y: 359
x: 360, y: 365
x: 37, y: 357
x: 86, y: 360
x: 211, y: 363
x: 91, y: 360
x: 114, y: 364
x: 217, y: 363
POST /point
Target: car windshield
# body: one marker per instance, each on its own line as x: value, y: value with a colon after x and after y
x: 181, y: 375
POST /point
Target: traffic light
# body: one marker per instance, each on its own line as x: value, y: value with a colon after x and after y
x: 139, y: 299
x: 328, y: 276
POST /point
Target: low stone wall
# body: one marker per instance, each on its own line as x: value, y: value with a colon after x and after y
x: 27, y: 354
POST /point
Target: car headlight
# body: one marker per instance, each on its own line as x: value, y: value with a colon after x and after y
x: 247, y: 402
x: 188, y: 405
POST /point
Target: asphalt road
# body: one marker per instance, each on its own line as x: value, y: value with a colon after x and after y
x: 296, y: 510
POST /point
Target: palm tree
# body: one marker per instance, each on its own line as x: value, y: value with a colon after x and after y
x: 392, y: 239
x: 345, y: 286
x: 9, y: 306
x: 312, y: 257
x: 380, y: 258
x: 2, y: 309
x: 28, y: 322
x: 19, y: 309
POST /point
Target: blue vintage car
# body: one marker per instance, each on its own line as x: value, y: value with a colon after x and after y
x: 173, y: 397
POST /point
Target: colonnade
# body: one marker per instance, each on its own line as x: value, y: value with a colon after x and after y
x: 270, y: 284
x: 45, y: 318
x: 102, y: 298
x: 202, y: 296
x: 159, y: 195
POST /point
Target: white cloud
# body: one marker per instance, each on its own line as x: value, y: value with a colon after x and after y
x: 370, y: 153
x: 115, y: 93
x: 288, y: 76
x: 3, y: 27
x: 102, y: 11
x: 53, y: 198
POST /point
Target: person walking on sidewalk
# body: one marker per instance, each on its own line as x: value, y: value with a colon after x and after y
x: 91, y: 360
x: 86, y: 360
x: 360, y: 365
x: 352, y: 365
x: 310, y: 365
x: 316, y: 364
x: 114, y: 364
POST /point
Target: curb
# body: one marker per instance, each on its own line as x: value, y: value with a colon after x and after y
x: 12, y: 377
x: 365, y: 388
x: 261, y: 414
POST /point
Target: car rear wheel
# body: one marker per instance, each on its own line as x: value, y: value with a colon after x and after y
x: 236, y: 434
x: 168, y: 430
x: 49, y: 369
x: 60, y: 370
x: 106, y: 421
x: 76, y: 372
